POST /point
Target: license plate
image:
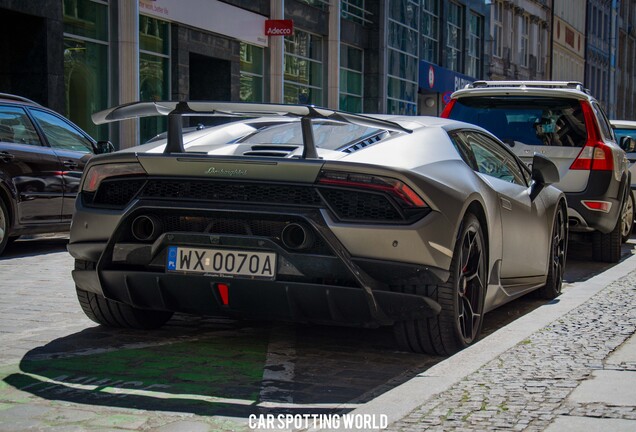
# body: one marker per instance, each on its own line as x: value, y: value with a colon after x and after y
x: 222, y: 262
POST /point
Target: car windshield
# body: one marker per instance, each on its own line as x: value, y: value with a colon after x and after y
x: 529, y: 120
x: 327, y: 134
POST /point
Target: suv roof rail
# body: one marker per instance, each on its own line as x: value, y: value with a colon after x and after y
x: 16, y: 98
x: 522, y: 84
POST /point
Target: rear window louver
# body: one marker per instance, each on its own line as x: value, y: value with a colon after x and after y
x: 364, y: 143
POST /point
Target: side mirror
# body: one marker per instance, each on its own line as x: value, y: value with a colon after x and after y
x: 544, y: 173
x: 104, y: 147
x: 628, y: 144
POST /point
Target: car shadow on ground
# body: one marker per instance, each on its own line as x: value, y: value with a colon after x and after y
x: 219, y: 367
x: 35, y: 245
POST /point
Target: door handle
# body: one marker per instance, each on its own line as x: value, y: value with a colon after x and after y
x: 6, y: 157
x: 70, y: 164
x: 505, y: 203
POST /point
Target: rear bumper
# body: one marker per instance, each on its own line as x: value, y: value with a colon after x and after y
x: 602, y: 186
x: 326, y: 286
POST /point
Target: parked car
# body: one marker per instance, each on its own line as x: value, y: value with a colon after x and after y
x: 307, y: 214
x: 42, y: 155
x: 562, y: 121
x: 624, y: 129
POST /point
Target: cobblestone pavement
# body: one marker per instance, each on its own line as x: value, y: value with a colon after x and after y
x: 526, y: 387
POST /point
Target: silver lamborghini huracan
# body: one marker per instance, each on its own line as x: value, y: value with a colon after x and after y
x: 305, y: 214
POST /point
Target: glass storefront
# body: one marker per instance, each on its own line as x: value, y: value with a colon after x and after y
x: 351, y: 78
x: 455, y: 37
x: 86, y: 62
x: 403, y: 57
x: 154, y: 71
x: 251, y: 89
x: 303, y: 69
x: 429, y: 43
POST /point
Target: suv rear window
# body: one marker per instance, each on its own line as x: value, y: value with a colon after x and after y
x: 529, y: 120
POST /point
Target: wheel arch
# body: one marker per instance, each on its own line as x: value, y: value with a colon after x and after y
x: 477, y: 209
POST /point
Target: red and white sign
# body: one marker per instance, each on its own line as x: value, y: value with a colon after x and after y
x: 279, y: 27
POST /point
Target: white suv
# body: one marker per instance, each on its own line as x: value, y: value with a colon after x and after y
x: 562, y: 121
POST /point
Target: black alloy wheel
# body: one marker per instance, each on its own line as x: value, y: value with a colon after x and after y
x: 627, y: 217
x: 558, y: 252
x: 471, y: 285
x: 461, y: 298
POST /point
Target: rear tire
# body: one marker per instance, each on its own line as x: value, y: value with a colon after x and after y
x: 458, y: 325
x: 114, y: 314
x: 558, y: 251
x: 607, y: 247
x: 4, y: 226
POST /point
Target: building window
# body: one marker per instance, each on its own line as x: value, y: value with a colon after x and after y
x: 154, y: 71
x: 86, y: 62
x: 454, y: 37
x: 351, y: 73
x: 303, y: 69
x: 354, y: 10
x: 403, y: 57
x: 475, y: 38
x: 429, y: 43
x: 497, y: 30
x: 523, y: 40
x: 320, y: 4
x: 251, y: 73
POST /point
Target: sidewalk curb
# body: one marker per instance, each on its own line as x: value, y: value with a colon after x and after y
x: 400, y: 401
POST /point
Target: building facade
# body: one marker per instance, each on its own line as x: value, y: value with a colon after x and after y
x: 375, y: 56
x: 568, y: 40
x: 521, y: 37
x: 600, y: 51
x: 625, y: 107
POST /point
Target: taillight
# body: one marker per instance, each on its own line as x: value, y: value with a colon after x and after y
x: 405, y: 196
x: 596, y: 155
x: 97, y: 173
x: 448, y: 108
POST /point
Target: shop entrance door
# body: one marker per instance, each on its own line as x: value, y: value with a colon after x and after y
x: 210, y: 78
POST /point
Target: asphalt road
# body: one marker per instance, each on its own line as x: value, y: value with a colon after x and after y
x: 60, y: 370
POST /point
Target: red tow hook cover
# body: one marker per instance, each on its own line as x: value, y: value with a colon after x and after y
x: 224, y: 292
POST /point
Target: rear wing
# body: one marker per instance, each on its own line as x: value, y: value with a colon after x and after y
x: 175, y: 110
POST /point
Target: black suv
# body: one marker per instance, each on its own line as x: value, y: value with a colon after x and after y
x: 562, y: 121
x: 42, y: 155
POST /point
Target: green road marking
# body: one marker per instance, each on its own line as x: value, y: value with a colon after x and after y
x: 219, y: 375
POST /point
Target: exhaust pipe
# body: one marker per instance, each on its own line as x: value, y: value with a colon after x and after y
x: 296, y: 236
x: 146, y: 228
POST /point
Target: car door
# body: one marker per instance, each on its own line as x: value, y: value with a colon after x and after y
x: 29, y: 169
x: 72, y: 146
x: 525, y: 230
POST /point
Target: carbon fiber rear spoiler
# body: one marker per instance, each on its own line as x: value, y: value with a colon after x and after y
x: 175, y: 110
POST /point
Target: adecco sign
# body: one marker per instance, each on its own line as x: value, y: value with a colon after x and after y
x: 279, y: 27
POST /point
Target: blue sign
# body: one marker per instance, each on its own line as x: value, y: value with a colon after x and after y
x: 438, y: 79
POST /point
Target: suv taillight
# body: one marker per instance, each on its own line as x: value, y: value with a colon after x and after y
x: 447, y: 109
x: 596, y: 155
